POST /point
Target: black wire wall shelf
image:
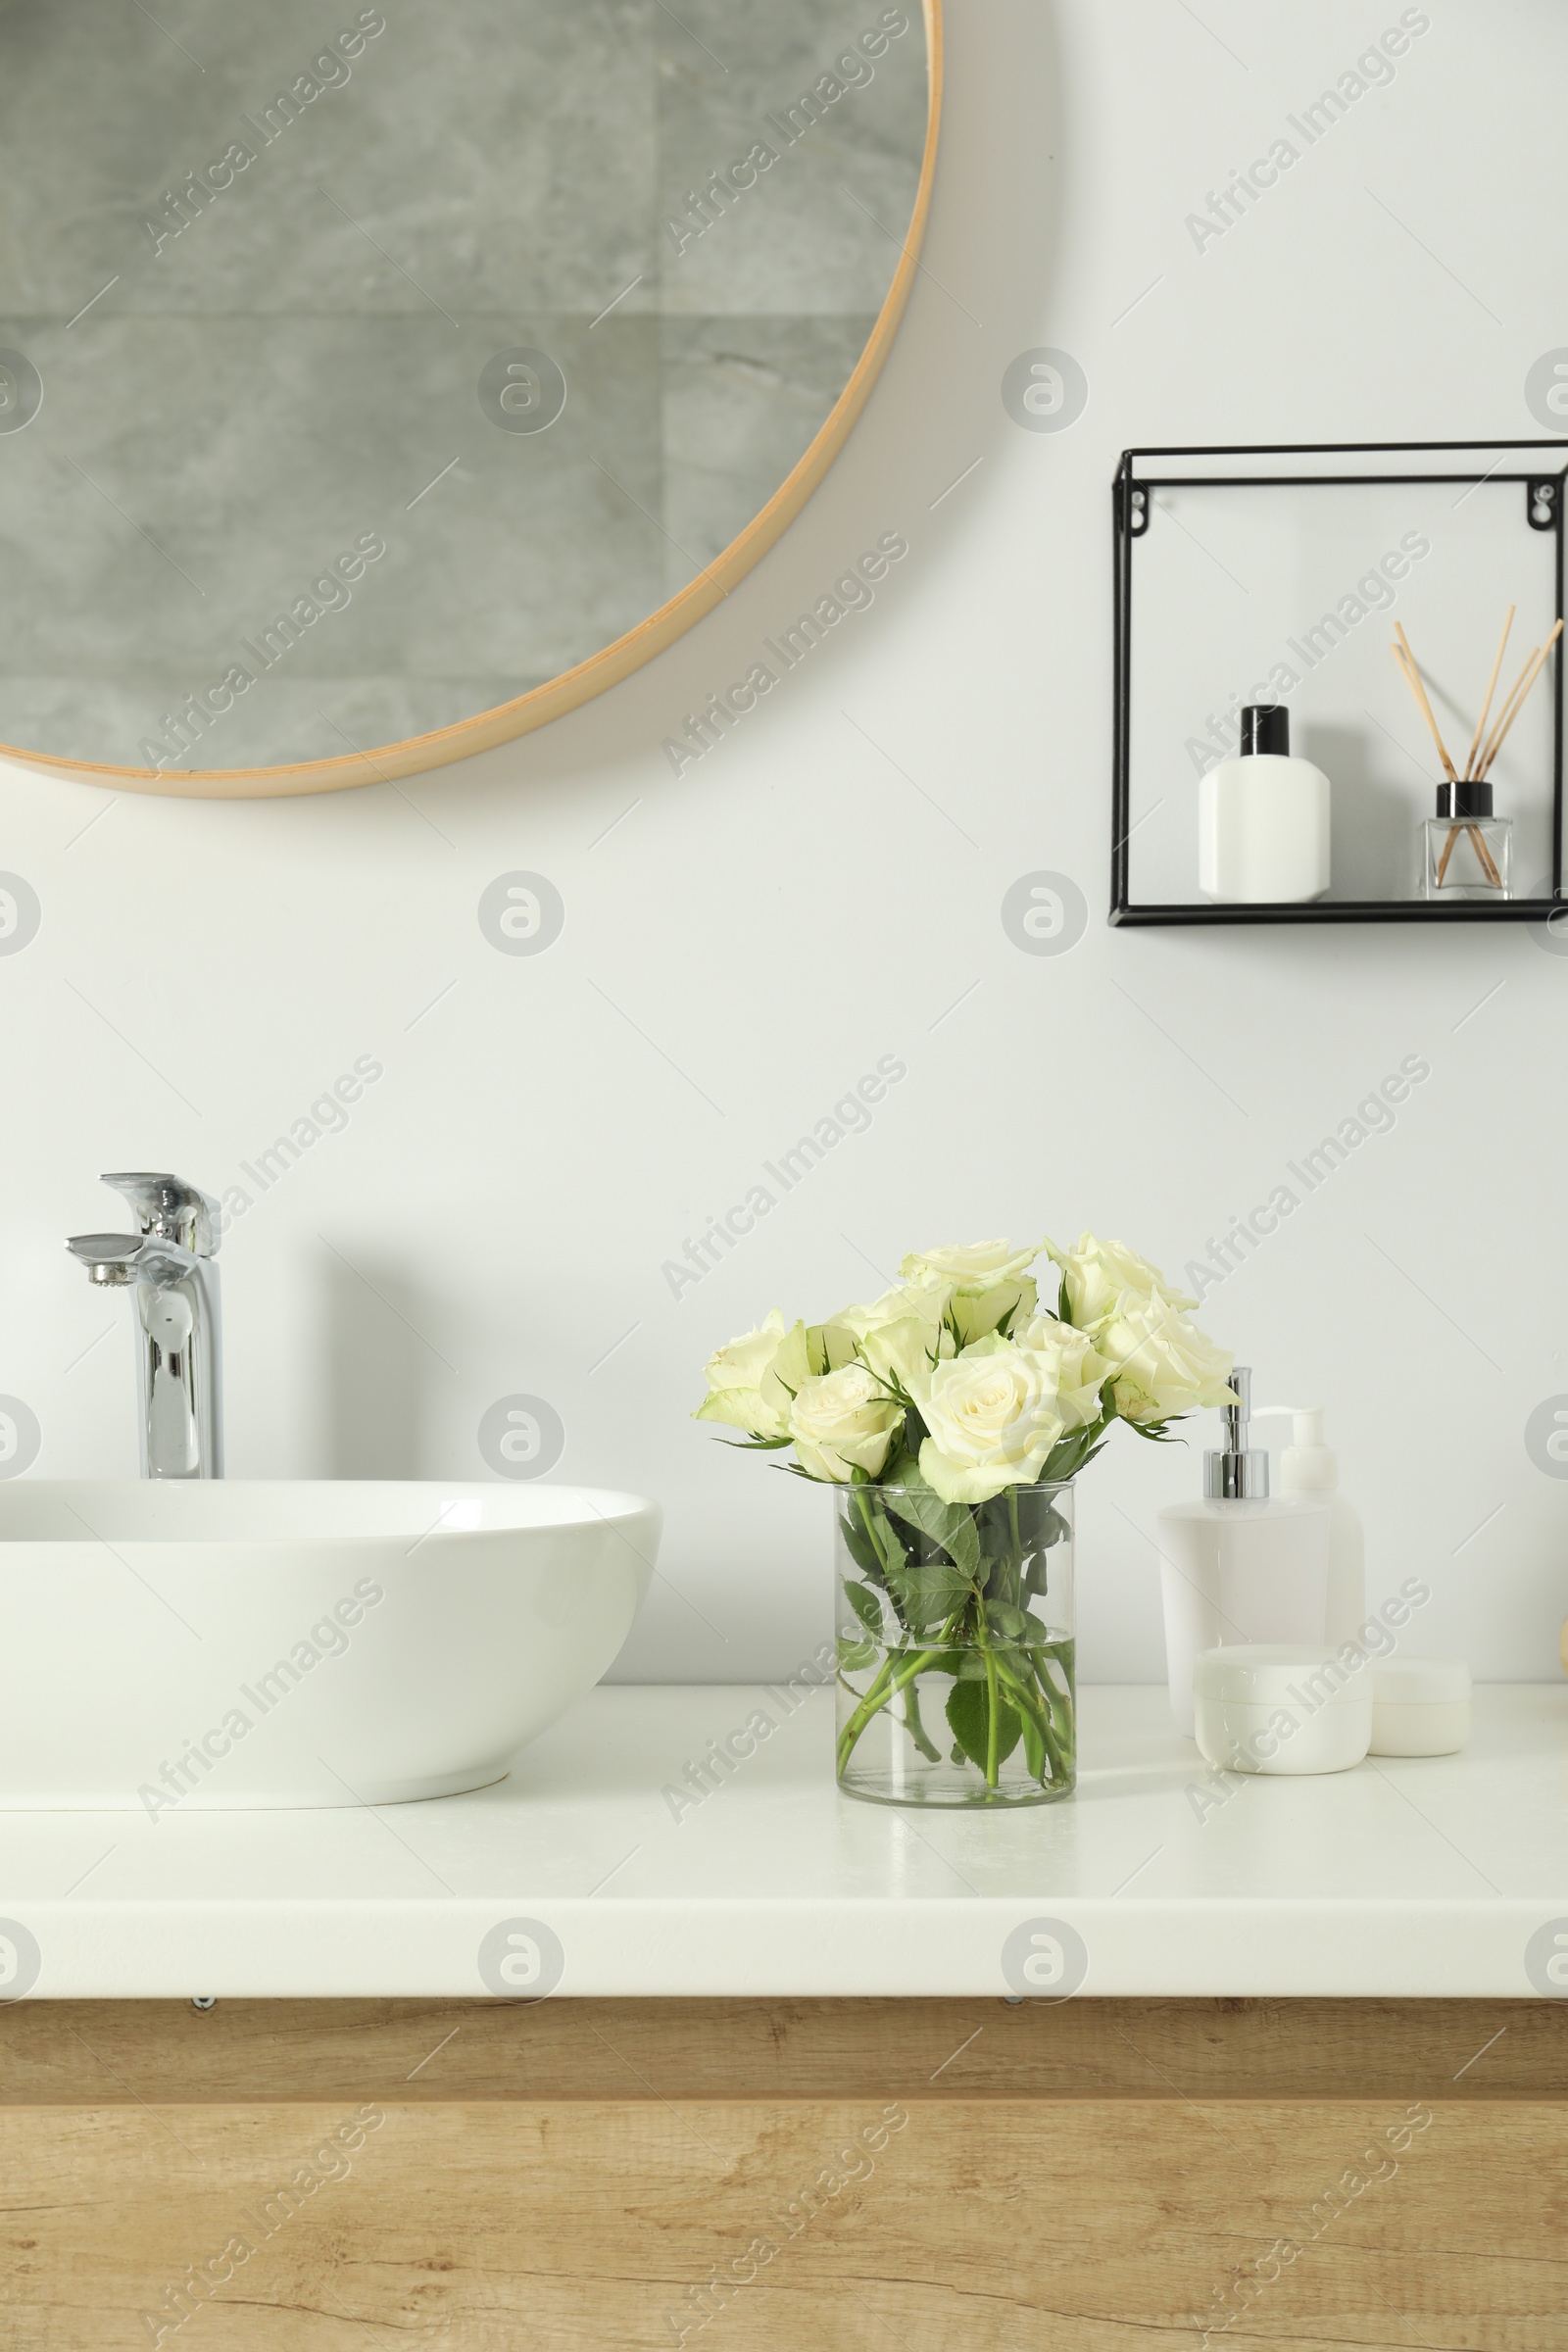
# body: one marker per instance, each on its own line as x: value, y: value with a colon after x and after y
x: 1513, y: 531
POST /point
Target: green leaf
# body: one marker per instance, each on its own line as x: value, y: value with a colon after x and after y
x: 969, y: 1716
x: 930, y: 1591
x: 860, y: 1546
x: 1008, y: 1622
x: 1060, y: 1653
x: 1020, y: 1666
x: 886, y: 1539
x: 1075, y: 1452
x: 1034, y: 1749
x: 856, y: 1656
x: 1066, y: 1459
x: 1035, y: 1632
x: 1157, y: 1433
x: 1036, y: 1568
x: 948, y: 1524
x: 867, y: 1607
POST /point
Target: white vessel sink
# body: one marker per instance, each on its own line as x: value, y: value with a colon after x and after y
x: 246, y: 1642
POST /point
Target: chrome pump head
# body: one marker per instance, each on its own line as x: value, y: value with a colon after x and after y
x: 1237, y: 1472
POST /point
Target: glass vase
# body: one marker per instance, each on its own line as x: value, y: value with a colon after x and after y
x: 955, y: 1646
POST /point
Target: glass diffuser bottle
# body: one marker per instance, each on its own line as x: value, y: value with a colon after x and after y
x: 1465, y: 849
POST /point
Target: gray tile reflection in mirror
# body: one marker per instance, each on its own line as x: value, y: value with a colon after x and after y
x: 264, y: 451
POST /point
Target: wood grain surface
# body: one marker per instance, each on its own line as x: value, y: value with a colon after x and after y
x: 1094, y: 2176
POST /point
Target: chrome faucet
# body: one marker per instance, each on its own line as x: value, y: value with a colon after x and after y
x: 179, y: 1331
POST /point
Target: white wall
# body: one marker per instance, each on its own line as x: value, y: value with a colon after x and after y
x: 824, y: 887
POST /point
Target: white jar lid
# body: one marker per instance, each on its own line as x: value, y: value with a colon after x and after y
x: 1280, y: 1674
x: 1419, y: 1681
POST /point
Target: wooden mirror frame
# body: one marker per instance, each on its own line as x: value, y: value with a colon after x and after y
x: 614, y: 662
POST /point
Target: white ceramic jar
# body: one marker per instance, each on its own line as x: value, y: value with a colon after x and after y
x: 1420, y: 1707
x: 1282, y: 1707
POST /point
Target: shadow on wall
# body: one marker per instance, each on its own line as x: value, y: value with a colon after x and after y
x: 380, y: 1375
x: 994, y: 237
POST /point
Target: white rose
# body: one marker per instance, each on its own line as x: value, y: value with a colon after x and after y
x: 800, y: 1356
x: 735, y: 1375
x: 842, y: 1422
x: 992, y: 1418
x: 1075, y: 1368
x: 899, y: 1334
x: 1164, y: 1364
x: 971, y: 1266
x: 1097, y: 1276
x: 987, y: 1280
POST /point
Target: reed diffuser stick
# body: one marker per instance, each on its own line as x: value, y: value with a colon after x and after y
x: 1505, y: 714
x: 1500, y: 733
x: 1484, y: 856
x: 1492, y: 687
x: 1412, y: 678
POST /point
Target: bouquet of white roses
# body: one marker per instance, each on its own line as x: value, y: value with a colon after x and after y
x: 934, y: 1406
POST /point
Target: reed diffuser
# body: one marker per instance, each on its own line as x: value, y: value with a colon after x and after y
x: 1466, y: 847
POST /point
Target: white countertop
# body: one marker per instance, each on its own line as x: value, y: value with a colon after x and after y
x: 1397, y: 1878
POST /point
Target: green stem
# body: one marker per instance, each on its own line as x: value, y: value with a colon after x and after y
x: 876, y: 1698
x: 1023, y: 1693
x: 1030, y: 1703
x: 876, y: 1690
x: 993, y: 1716
x: 916, y: 1729
x: 1060, y: 1703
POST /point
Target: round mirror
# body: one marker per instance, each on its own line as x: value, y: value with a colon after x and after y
x: 376, y: 383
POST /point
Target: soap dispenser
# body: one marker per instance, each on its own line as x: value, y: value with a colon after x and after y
x: 1240, y: 1565
x: 1309, y: 1466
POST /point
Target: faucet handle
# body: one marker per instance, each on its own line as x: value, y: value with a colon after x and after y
x: 172, y: 1211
